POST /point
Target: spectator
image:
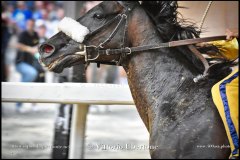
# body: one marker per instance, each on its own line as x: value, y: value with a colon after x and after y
x: 30, y: 4
x: 41, y: 30
x: 27, y: 48
x: 51, y: 9
x: 5, y: 39
x: 21, y: 15
x: 38, y: 10
x: 52, y: 27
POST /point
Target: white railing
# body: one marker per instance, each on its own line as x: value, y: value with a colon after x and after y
x: 80, y: 94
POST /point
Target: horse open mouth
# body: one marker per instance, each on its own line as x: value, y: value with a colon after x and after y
x: 65, y: 61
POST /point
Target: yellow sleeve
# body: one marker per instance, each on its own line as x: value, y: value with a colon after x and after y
x: 228, y: 49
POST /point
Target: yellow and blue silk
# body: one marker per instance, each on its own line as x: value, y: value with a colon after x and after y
x: 225, y: 96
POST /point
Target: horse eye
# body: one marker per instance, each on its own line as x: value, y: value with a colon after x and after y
x: 98, y: 16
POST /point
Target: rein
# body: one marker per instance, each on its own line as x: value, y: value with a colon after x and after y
x: 130, y: 50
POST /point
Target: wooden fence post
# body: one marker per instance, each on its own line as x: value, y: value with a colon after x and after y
x: 77, y: 133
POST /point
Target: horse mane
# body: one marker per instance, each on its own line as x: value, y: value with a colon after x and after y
x: 172, y: 26
x: 168, y: 22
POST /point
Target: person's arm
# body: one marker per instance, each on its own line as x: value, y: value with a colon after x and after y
x: 21, y: 45
x: 25, y: 48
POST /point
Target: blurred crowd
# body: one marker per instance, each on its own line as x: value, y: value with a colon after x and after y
x: 26, y: 24
x: 17, y: 13
x: 31, y: 23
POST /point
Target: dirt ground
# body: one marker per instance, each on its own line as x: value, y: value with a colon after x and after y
x: 110, y: 134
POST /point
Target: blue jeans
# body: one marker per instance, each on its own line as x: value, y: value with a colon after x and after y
x: 28, y: 73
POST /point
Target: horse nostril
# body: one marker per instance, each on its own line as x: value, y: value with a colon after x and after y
x: 48, y: 49
x: 45, y: 48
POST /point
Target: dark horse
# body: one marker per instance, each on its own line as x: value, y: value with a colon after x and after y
x: 179, y: 114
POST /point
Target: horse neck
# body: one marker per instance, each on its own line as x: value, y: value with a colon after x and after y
x: 154, y: 77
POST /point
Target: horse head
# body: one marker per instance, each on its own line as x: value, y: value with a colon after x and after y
x: 89, y: 38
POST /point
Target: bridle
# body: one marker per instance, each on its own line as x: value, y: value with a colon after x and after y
x: 125, y: 50
x: 122, y: 19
